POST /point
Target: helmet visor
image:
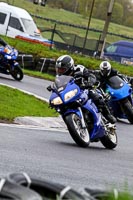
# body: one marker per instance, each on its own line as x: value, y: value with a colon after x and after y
x: 105, y: 72
x: 61, y: 70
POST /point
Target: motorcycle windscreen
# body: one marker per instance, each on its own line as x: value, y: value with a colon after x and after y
x: 62, y: 81
x: 115, y: 82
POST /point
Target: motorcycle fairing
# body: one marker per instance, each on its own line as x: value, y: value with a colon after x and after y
x: 117, y: 112
x: 8, y: 58
x: 117, y: 88
x: 98, y: 130
x: 121, y: 93
x: 64, y: 84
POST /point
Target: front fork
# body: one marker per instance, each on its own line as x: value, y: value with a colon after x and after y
x: 79, y: 112
x: 82, y: 118
x: 11, y: 65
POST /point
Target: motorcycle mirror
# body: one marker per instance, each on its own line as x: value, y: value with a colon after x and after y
x: 49, y: 88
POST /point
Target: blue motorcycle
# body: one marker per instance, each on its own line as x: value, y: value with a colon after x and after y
x: 84, y: 122
x: 119, y: 95
x: 8, y: 63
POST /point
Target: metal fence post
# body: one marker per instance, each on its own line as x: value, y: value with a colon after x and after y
x: 52, y: 36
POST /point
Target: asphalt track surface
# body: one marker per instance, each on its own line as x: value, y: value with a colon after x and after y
x: 50, y: 153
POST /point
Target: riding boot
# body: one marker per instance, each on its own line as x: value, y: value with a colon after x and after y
x: 106, y: 113
x: 101, y: 105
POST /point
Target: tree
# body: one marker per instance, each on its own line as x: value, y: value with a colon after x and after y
x: 122, y: 12
x: 100, y: 9
x: 84, y: 7
x: 127, y: 9
x: 117, y: 13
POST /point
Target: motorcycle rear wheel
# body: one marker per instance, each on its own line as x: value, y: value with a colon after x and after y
x: 17, y: 73
x: 79, y: 134
x: 109, y: 140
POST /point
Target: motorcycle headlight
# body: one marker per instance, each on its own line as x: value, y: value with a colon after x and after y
x: 70, y: 94
x: 56, y: 101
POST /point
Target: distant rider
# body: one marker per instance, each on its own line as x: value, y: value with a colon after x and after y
x: 106, y: 71
x: 65, y: 66
x: 5, y: 53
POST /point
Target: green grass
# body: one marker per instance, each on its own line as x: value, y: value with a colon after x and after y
x: 77, y: 19
x: 14, y: 103
x: 40, y: 51
x: 11, y: 109
x: 73, y: 18
x: 39, y: 75
x: 121, y: 196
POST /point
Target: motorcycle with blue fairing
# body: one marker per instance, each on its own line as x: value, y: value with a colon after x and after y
x: 81, y: 116
x: 9, y: 64
x: 118, y: 93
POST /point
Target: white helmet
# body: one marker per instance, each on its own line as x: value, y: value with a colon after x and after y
x: 105, y: 68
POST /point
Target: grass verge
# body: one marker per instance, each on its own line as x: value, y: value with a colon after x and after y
x: 14, y: 103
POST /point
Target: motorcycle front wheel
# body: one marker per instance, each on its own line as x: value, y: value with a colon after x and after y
x: 79, y: 134
x: 128, y: 110
x: 17, y: 73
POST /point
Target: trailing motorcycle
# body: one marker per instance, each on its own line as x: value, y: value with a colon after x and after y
x: 8, y: 63
x: 85, y: 124
x: 119, y: 97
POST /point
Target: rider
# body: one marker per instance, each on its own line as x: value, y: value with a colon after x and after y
x: 6, y: 48
x: 65, y: 66
x: 106, y: 71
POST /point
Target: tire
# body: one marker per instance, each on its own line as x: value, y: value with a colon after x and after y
x: 128, y: 110
x: 14, y: 191
x: 109, y: 140
x: 45, y: 189
x: 80, y: 135
x: 17, y: 73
